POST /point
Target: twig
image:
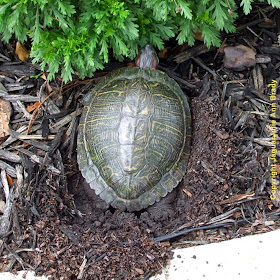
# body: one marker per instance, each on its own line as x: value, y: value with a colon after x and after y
x: 37, y: 137
x: 5, y: 220
x: 17, y: 257
x: 22, y: 129
x: 66, y: 119
x: 183, y: 232
x: 23, y: 250
x: 251, y: 23
x: 223, y: 216
x: 200, y: 63
x: 81, y: 269
x: 15, y: 97
x: 254, y: 33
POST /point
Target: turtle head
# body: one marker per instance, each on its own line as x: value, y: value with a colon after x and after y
x: 147, y: 58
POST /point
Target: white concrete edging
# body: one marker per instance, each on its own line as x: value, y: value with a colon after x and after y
x: 251, y: 257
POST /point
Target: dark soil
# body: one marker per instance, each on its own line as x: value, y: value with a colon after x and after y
x: 120, y: 245
x: 204, y: 190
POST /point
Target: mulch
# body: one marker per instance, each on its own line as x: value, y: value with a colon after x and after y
x: 54, y: 224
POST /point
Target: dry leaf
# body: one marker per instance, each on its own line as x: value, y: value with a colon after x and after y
x: 268, y: 20
x: 198, y: 36
x: 22, y: 52
x: 239, y: 57
x: 33, y: 107
x: 9, y: 179
x: 165, y: 244
x: 237, y: 215
x: 38, y: 259
x: 5, y: 114
x: 48, y: 87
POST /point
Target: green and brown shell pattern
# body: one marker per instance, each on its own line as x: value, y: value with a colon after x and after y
x: 134, y: 137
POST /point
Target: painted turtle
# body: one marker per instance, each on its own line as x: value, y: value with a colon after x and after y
x: 134, y: 135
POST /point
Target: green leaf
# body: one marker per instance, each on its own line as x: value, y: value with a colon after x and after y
x: 73, y: 35
x: 165, y: 32
x: 104, y: 49
x: 67, y: 70
x: 247, y: 6
x: 210, y: 35
x: 186, y: 33
x: 220, y: 13
x: 274, y: 3
x: 160, y: 8
x: 184, y: 9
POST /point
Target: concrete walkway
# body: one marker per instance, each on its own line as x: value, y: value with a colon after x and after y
x: 252, y: 257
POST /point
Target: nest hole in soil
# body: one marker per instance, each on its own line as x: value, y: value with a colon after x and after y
x: 194, y: 200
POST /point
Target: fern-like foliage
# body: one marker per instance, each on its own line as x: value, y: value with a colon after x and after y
x: 72, y: 35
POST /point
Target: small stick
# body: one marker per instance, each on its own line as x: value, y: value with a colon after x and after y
x: 17, y: 257
x: 200, y: 63
x: 254, y: 33
x: 37, y: 137
x: 81, y: 269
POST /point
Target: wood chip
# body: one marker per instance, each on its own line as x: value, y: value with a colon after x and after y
x: 19, y: 97
x: 9, y: 169
x: 34, y: 143
x: 40, y: 161
x: 5, y: 114
x: 12, y: 157
x: 18, y: 86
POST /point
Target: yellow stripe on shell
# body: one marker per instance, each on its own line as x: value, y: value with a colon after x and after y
x: 166, y: 125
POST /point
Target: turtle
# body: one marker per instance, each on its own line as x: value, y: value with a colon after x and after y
x: 134, y: 135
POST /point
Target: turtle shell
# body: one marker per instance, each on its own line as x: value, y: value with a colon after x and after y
x: 134, y: 137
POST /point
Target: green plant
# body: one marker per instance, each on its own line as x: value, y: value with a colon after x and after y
x: 74, y: 35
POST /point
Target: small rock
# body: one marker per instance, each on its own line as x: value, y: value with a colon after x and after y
x: 239, y: 57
